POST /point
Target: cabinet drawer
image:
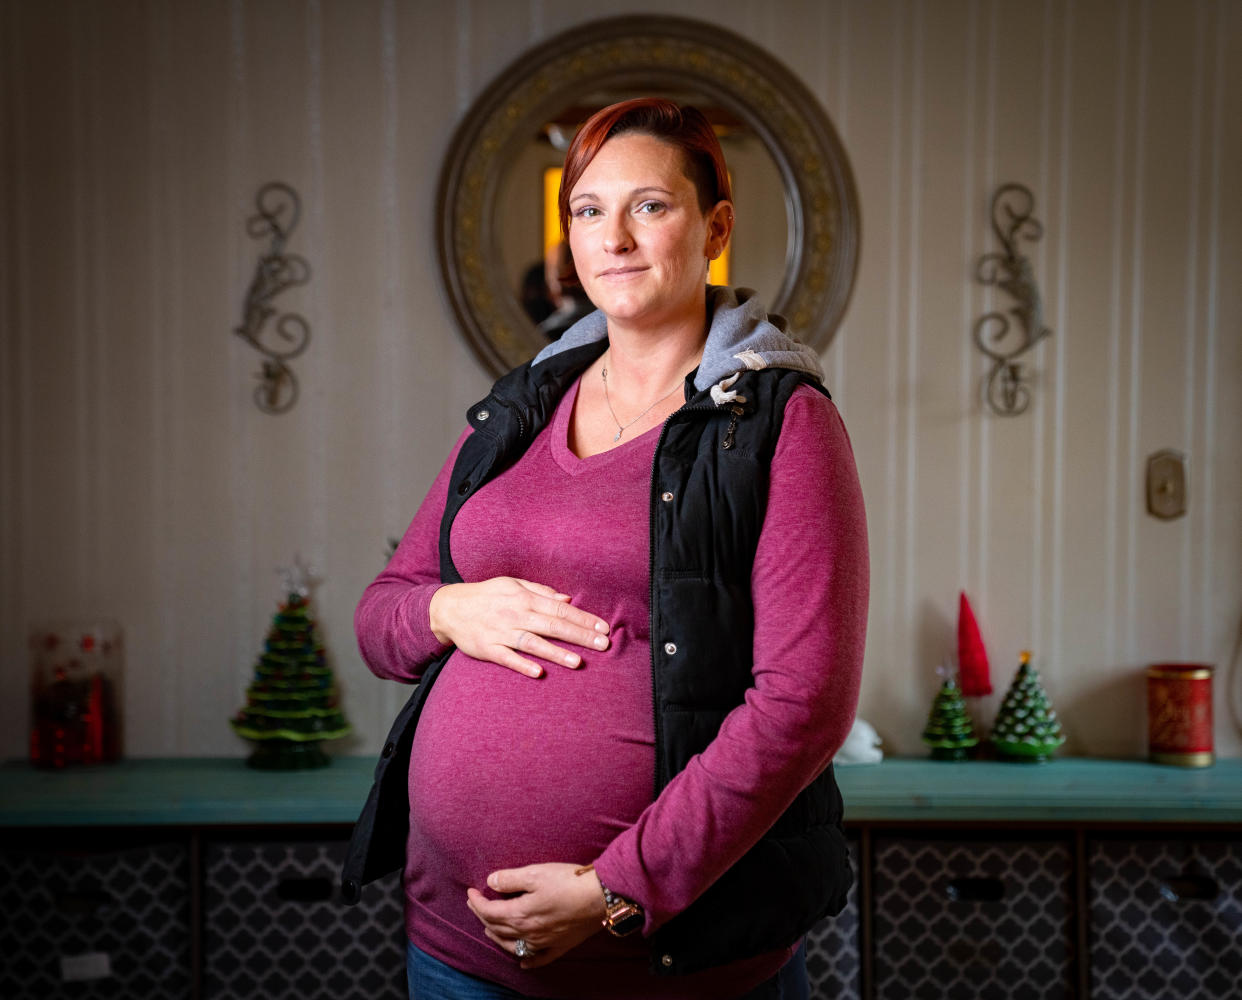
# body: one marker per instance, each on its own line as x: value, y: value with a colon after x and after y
x: 1166, y: 919
x: 96, y: 923
x: 275, y: 926
x: 973, y: 920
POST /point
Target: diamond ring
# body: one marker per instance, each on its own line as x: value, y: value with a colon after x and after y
x: 522, y: 949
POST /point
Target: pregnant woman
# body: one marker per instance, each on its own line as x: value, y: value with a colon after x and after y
x: 635, y: 601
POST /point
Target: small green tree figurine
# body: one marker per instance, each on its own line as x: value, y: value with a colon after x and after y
x: 949, y: 732
x: 291, y: 705
x: 1026, y: 727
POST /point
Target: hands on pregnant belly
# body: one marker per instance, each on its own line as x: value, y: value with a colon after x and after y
x: 550, y: 906
x: 498, y: 620
x: 557, y: 907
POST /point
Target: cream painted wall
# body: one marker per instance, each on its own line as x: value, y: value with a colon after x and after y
x: 140, y: 482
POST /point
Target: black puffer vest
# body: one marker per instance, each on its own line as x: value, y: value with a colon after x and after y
x: 708, y: 497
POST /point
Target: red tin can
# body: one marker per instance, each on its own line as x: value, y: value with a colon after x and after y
x: 1179, y: 714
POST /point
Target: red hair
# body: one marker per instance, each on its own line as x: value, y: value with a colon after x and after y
x: 684, y: 127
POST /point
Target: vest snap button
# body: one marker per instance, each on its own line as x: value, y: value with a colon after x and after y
x: 483, y: 414
x: 666, y: 961
x: 666, y: 496
x: 670, y: 648
x: 464, y: 488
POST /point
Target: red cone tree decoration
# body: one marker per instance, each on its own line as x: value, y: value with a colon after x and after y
x: 972, y: 659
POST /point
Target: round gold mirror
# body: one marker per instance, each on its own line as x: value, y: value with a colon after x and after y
x: 797, y: 233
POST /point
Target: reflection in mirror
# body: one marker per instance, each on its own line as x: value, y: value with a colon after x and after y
x: 526, y: 227
x: 796, y: 239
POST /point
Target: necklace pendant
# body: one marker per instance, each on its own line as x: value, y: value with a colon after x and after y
x: 618, y: 436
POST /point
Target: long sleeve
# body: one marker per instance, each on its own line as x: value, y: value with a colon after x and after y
x: 391, y: 620
x: 810, y: 588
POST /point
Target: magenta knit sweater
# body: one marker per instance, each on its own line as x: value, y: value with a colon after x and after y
x: 508, y: 771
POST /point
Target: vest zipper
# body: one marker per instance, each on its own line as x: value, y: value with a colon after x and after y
x: 737, y: 411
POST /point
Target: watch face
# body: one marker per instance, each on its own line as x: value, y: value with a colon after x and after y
x: 625, y: 919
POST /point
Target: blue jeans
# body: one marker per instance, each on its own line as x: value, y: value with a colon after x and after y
x: 430, y: 979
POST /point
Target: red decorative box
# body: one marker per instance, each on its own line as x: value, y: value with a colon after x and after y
x: 75, y: 693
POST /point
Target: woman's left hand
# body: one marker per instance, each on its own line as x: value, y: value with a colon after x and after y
x: 554, y: 909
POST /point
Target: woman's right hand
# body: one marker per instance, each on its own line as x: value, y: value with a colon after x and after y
x: 500, y: 619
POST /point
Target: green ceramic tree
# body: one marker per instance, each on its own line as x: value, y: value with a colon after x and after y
x: 949, y: 731
x: 291, y: 705
x: 1026, y: 727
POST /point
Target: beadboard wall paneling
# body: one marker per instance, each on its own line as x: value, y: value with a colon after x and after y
x: 140, y: 482
x: 14, y: 409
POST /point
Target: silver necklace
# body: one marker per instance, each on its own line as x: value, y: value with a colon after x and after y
x: 621, y: 428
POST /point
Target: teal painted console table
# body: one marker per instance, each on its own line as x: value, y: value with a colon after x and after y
x: 222, y: 791
x: 1108, y: 880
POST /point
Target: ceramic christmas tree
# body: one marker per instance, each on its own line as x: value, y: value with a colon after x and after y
x: 949, y: 731
x: 291, y: 705
x: 1026, y: 727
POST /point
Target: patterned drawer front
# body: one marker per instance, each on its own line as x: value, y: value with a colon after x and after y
x: 95, y: 925
x: 972, y: 921
x: 276, y: 928
x: 833, y: 951
x: 1166, y: 919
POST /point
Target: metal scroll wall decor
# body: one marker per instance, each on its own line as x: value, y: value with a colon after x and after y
x: 1004, y: 338
x: 279, y: 209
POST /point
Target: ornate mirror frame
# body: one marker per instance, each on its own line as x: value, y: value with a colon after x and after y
x: 647, y: 54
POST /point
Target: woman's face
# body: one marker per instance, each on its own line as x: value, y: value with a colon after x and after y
x: 639, y: 239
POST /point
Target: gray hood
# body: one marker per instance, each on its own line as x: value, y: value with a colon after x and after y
x: 741, y: 336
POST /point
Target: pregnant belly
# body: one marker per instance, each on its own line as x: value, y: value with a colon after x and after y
x: 508, y: 771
